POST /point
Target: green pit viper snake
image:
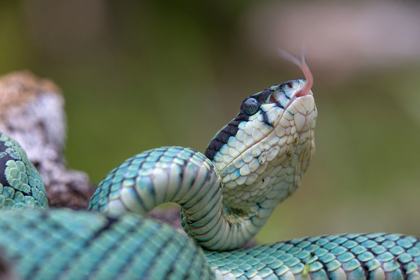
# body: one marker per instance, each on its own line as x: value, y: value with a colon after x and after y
x: 226, y: 196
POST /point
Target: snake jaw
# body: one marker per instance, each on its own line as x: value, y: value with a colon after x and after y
x: 282, y: 149
x: 279, y: 104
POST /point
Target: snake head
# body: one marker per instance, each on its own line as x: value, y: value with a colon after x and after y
x: 268, y: 145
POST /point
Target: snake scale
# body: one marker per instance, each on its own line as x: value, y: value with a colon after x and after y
x: 226, y: 196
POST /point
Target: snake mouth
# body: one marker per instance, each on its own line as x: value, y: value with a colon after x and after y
x: 301, y: 92
x: 301, y: 87
x: 285, y: 94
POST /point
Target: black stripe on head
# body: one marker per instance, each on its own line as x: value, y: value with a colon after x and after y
x: 265, y: 118
x: 263, y: 95
x: 279, y: 105
x: 223, y: 136
x: 262, y: 98
x: 232, y: 127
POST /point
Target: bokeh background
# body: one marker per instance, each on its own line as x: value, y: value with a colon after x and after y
x: 143, y: 74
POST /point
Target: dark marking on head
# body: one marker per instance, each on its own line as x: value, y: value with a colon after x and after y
x: 279, y: 105
x: 232, y: 127
x: 223, y: 136
x: 265, y: 118
x: 263, y: 95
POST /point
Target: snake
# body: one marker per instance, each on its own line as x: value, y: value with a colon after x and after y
x: 226, y: 195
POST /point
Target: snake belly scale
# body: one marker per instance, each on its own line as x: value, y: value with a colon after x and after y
x: 226, y: 196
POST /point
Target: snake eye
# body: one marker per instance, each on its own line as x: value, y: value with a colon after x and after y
x: 251, y: 106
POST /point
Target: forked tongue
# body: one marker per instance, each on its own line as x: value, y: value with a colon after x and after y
x: 303, y: 66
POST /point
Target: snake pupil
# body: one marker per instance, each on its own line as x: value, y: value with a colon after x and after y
x: 250, y: 106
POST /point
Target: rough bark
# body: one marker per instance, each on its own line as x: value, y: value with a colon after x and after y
x: 32, y: 113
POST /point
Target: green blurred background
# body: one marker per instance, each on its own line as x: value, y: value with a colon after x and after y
x: 143, y: 74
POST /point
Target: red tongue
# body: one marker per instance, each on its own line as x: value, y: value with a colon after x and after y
x: 303, y: 66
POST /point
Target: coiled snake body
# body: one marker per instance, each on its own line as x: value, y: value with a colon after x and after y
x: 251, y: 165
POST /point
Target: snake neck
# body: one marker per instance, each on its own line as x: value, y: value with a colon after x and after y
x: 228, y: 194
x: 212, y: 213
x: 233, y: 210
x: 183, y: 176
